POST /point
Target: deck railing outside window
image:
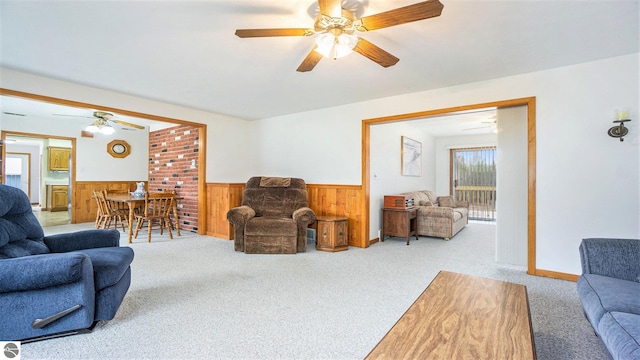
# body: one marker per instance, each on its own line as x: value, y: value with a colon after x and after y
x: 482, y: 201
x: 474, y: 180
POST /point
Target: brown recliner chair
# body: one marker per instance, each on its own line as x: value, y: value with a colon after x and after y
x: 273, y: 218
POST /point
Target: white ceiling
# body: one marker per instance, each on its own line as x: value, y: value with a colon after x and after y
x: 186, y: 53
x: 15, y: 108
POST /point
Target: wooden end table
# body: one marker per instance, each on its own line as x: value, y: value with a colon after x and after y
x: 399, y: 222
x: 333, y: 233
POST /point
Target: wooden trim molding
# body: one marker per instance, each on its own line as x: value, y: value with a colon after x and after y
x: 556, y: 275
x: 531, y: 186
x: 203, y: 213
x: 529, y: 102
x: 78, y: 104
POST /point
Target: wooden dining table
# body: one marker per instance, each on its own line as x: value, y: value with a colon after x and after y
x: 133, y: 202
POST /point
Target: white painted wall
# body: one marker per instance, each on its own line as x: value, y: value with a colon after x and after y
x: 320, y: 149
x: 580, y: 170
x: 511, y: 185
x: 231, y: 154
x: 386, y: 177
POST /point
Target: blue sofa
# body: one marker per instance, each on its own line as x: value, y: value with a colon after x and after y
x: 609, y: 289
x: 55, y: 285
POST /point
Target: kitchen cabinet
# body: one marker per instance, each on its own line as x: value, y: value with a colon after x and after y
x: 59, y: 158
x: 58, y: 197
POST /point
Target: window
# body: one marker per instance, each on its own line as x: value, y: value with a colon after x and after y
x: 473, y: 179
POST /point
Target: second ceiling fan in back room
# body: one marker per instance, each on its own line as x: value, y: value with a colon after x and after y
x: 102, y: 121
x: 335, y: 29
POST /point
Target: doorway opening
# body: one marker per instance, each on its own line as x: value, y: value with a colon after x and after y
x: 200, y: 128
x: 528, y: 104
x: 44, y: 173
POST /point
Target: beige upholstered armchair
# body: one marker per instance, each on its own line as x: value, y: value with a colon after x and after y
x: 273, y: 217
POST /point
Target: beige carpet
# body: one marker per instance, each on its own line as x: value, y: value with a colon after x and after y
x: 195, y: 298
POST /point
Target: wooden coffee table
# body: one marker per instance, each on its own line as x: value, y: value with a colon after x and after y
x: 462, y: 317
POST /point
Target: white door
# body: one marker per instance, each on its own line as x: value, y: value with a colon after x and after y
x: 17, y: 171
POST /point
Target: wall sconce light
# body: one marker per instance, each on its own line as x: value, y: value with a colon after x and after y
x: 619, y: 131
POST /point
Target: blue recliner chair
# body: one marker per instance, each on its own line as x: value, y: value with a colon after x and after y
x: 55, y: 285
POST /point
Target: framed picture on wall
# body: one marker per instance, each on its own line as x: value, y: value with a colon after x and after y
x: 411, y: 157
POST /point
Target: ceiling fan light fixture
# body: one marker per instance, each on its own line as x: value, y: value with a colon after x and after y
x: 93, y: 128
x: 337, y: 20
x: 100, y: 126
x: 107, y: 130
x: 335, y: 46
x: 348, y: 40
x: 325, y: 42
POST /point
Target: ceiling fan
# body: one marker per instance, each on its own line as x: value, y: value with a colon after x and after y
x: 102, y: 122
x: 492, y: 124
x: 335, y: 29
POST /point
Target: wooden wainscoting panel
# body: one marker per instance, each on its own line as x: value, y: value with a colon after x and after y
x: 220, y: 198
x: 325, y: 200
x: 84, y: 207
x: 341, y: 200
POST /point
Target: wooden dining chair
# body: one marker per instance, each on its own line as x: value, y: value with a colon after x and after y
x: 102, y: 214
x: 109, y: 214
x: 119, y: 209
x: 175, y: 225
x: 157, y: 209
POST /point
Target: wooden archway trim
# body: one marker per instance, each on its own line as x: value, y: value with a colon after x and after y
x: 529, y: 102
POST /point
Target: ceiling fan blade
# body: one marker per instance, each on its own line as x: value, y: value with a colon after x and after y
x: 312, y: 59
x: 80, y: 116
x: 332, y: 8
x: 375, y: 53
x: 249, y: 33
x: 127, y: 124
x: 403, y: 15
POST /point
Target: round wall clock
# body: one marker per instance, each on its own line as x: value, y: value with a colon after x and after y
x: 119, y: 148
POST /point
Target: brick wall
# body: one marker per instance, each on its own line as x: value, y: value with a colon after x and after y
x: 173, y: 165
